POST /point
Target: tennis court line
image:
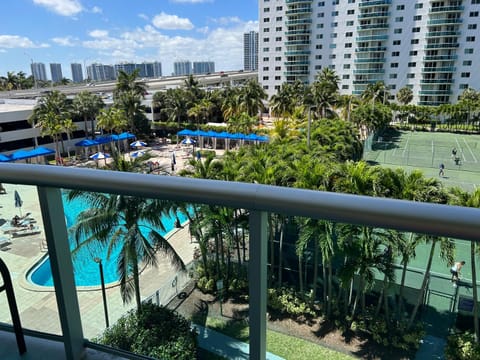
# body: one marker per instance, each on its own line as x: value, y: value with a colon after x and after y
x: 461, y: 149
x: 406, y: 145
x: 471, y: 152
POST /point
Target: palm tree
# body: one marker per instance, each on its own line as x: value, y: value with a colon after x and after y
x: 131, y: 224
x: 129, y: 83
x: 405, y: 95
x: 87, y: 105
x: 251, y: 98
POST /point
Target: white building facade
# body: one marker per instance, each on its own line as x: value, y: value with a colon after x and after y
x: 430, y: 46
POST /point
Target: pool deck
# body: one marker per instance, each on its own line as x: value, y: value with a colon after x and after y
x: 37, y: 305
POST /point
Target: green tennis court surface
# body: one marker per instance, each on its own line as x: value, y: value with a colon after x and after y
x: 426, y: 151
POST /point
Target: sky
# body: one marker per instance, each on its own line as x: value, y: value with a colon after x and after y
x: 114, y: 31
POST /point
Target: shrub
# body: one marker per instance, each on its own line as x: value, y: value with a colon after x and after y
x: 155, y: 331
x: 462, y: 347
x: 288, y: 301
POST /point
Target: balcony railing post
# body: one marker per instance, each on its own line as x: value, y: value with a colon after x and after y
x: 257, y: 270
x: 62, y: 270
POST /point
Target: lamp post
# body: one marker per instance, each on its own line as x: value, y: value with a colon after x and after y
x: 104, y: 295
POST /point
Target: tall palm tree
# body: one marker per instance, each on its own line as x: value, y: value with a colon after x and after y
x: 87, y: 105
x: 251, y: 98
x: 131, y: 224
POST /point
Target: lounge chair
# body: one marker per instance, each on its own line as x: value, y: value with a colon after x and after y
x: 28, y: 231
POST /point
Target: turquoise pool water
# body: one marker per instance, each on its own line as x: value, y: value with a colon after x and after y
x: 85, y: 268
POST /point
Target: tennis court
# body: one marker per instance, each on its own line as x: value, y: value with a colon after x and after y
x: 410, y: 150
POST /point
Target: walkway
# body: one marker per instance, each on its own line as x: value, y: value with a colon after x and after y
x: 225, y: 346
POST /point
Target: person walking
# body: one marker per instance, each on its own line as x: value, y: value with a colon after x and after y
x: 442, y: 170
x: 455, y: 271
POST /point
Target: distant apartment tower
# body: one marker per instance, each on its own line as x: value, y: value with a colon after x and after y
x: 146, y: 69
x: 56, y: 72
x: 250, y: 51
x: 431, y: 47
x: 100, y: 72
x: 203, y: 67
x: 182, y: 68
x: 38, y: 71
x: 77, y: 72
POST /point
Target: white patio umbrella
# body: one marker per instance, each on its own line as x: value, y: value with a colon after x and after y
x: 99, y: 156
x: 188, y: 141
x: 136, y: 154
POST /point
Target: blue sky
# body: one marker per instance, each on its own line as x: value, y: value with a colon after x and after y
x: 113, y: 31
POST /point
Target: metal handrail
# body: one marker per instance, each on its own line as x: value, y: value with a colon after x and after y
x: 434, y: 219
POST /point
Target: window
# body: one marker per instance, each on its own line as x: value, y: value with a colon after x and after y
x: 469, y: 51
x: 470, y: 38
x: 416, y: 29
x: 332, y: 56
x: 394, y: 65
x: 278, y: 77
x: 400, y: 7
x: 319, y: 26
x: 279, y: 8
x: 410, y: 76
x: 333, y: 35
x: 463, y: 86
x: 279, y: 38
x: 278, y: 18
x: 321, y: 3
x: 346, y: 77
x: 318, y: 57
x: 345, y: 87
x: 414, y: 41
x: 266, y: 39
x: 265, y: 78
x: 397, y: 31
x: 413, y: 53
x: 347, y: 56
x: 396, y: 53
x: 320, y: 15
x: 465, y: 75
x: 351, y: 1
x: 334, y: 24
x: 278, y: 68
x: 418, y: 6
x: 475, y: 2
x: 350, y: 12
x: 350, y: 23
x: 467, y: 63
x: 397, y: 42
x: 319, y: 36
x: 417, y: 17
x: 349, y: 34
x: 472, y: 26
x: 278, y: 48
x: 392, y: 86
x: 266, y: 30
x: 265, y: 68
x: 318, y: 46
x: 348, y: 45
x: 265, y: 87
x: 346, y: 66
x: 399, y: 19
x: 266, y: 19
x: 412, y: 64
x: 333, y: 46
x: 335, y: 2
x: 266, y: 10
x: 392, y: 76
x: 266, y: 58
x: 266, y: 49
x: 334, y: 13
x: 278, y: 28
x: 473, y: 13
x: 318, y: 67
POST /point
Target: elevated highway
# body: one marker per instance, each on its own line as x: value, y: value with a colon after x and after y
x: 166, y: 82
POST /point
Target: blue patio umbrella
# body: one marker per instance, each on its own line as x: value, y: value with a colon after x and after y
x: 138, y: 143
x: 136, y: 154
x: 18, y: 201
x: 4, y: 158
x: 185, y: 132
x: 99, y: 156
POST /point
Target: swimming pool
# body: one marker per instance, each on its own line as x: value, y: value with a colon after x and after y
x: 85, y: 269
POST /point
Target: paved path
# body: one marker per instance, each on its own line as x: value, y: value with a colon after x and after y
x: 37, y: 305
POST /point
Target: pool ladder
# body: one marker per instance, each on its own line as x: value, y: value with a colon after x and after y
x: 12, y: 304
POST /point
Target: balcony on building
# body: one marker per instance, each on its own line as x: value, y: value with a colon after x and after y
x: 367, y: 3
x: 446, y: 9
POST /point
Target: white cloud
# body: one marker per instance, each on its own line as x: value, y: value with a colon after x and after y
x: 15, y: 41
x: 191, y: 1
x: 144, y: 17
x: 98, y: 33
x: 171, y: 22
x: 61, y: 7
x: 225, y: 20
x: 96, y: 10
x: 65, y: 41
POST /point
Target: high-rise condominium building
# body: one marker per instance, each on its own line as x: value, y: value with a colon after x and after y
x: 146, y: 69
x: 250, y: 51
x: 203, y: 67
x: 100, y: 72
x: 56, y: 72
x: 430, y: 46
x: 181, y: 68
x: 77, y: 72
x: 38, y: 71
